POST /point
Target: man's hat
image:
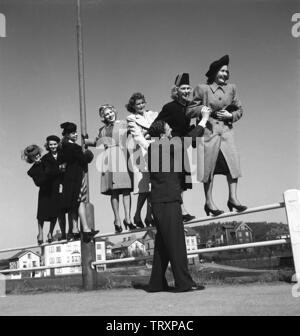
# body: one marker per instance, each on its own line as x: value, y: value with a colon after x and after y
x: 182, y: 79
x: 216, y: 66
x: 68, y: 127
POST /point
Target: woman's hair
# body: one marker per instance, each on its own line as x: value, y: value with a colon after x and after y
x: 157, y: 128
x: 30, y: 152
x: 174, y: 92
x: 102, y: 108
x: 46, y: 145
x: 131, y: 103
x: 212, y: 77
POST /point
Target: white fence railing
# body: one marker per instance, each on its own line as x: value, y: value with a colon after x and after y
x: 291, y: 204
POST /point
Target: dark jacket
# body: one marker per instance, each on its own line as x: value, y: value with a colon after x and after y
x: 47, y: 176
x: 174, y: 113
x: 76, y: 164
x: 166, y: 186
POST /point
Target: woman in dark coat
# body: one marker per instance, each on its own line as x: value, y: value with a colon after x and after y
x: 220, y: 152
x: 74, y: 187
x: 50, y: 200
x: 32, y: 155
x: 175, y: 114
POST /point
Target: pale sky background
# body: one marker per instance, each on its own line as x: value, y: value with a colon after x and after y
x: 141, y: 45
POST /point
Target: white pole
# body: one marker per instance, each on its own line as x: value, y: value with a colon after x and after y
x: 292, y: 206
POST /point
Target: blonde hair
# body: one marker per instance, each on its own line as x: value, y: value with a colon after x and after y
x: 102, y: 108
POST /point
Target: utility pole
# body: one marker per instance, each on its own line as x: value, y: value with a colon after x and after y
x: 87, y: 249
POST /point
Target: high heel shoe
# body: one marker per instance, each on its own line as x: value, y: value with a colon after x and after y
x: 139, y: 223
x: 118, y: 228
x: 129, y: 225
x: 213, y: 212
x: 89, y: 236
x: 40, y: 241
x: 239, y: 208
x: 49, y: 240
x: 149, y: 222
x: 76, y: 236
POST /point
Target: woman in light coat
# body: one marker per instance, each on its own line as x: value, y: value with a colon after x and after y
x: 139, y: 121
x: 220, y: 152
x: 116, y: 179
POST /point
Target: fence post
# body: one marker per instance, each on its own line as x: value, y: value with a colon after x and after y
x: 292, y: 207
x: 2, y: 285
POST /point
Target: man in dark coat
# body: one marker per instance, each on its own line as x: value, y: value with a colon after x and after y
x: 166, y: 202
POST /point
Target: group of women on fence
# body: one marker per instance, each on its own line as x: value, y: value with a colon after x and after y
x: 60, y: 176
x: 62, y: 169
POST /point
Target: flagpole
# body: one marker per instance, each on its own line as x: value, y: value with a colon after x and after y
x: 87, y: 249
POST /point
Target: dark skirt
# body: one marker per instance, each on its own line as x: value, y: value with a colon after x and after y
x: 221, y: 165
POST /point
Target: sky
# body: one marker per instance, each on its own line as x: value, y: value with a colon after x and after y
x: 142, y: 45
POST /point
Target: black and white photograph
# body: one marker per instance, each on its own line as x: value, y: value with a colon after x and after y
x: 150, y: 167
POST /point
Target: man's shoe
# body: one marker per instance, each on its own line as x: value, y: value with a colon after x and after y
x: 191, y: 289
x: 187, y: 217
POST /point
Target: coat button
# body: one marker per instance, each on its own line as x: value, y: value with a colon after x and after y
x: 220, y: 98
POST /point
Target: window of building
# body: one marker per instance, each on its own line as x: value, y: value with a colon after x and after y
x: 58, y: 248
x: 239, y: 234
x: 98, y: 246
x: 29, y: 256
x: 59, y: 270
x: 58, y: 260
x: 34, y: 264
x: 99, y: 257
x: 51, y: 249
x: 51, y: 261
x: 247, y: 234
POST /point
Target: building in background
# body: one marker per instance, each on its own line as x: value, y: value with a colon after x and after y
x: 24, y: 259
x: 129, y: 247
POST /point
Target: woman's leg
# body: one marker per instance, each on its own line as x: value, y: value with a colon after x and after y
x: 185, y: 214
x: 73, y: 221
x: 51, y: 229
x: 82, y: 216
x: 40, y: 230
x: 62, y: 224
x: 114, y: 200
x: 139, y: 205
x: 127, y: 205
x: 208, y: 187
x: 232, y: 186
x: 149, y: 209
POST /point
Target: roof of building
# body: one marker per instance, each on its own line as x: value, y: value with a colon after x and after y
x: 190, y: 232
x: 127, y: 243
x: 21, y: 253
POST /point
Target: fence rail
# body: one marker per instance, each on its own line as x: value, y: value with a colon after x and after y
x: 291, y: 204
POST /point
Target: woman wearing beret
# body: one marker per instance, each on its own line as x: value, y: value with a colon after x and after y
x: 74, y: 188
x: 32, y: 155
x: 50, y: 206
x: 139, y: 121
x: 175, y: 114
x: 116, y: 180
x: 220, y: 152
